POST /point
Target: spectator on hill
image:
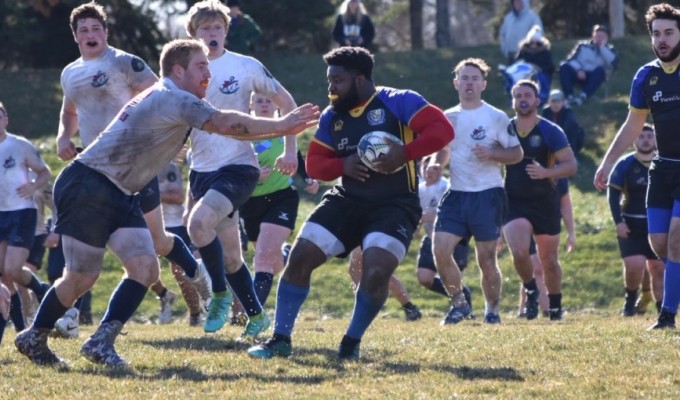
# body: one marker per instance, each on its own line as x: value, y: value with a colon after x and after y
x: 244, y: 33
x: 558, y: 112
x: 535, y: 49
x: 353, y: 26
x: 515, y: 27
x: 588, y: 65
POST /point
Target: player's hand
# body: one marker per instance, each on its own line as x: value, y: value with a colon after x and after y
x: 622, y: 230
x: 536, y: 170
x: 571, y: 243
x: 66, y: 149
x: 264, y: 173
x: 296, y: 121
x: 601, y: 175
x: 52, y: 240
x: 286, y: 165
x: 483, y: 153
x: 354, y: 168
x: 395, y: 158
x: 26, y: 190
x: 312, y: 186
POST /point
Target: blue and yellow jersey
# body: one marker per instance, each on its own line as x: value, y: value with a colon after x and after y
x: 389, y: 110
x: 630, y: 177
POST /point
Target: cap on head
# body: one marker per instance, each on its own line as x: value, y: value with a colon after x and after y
x: 535, y: 34
x: 556, y: 95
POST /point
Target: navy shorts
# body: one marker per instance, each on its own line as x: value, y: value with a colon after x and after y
x: 183, y: 234
x: 543, y: 213
x: 351, y: 219
x: 37, y: 253
x: 664, y: 184
x: 473, y: 214
x: 278, y: 208
x: 426, y: 258
x: 90, y: 207
x: 150, y: 196
x: 55, y: 262
x: 17, y: 227
x: 637, y: 242
x: 235, y: 182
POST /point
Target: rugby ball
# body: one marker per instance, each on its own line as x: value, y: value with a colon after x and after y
x: 373, y: 146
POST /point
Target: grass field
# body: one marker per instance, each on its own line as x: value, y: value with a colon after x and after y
x: 592, y: 354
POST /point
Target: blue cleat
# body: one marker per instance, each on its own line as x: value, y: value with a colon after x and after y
x: 456, y: 314
x: 272, y: 347
x: 492, y: 319
x: 256, y: 325
x: 218, y: 312
x: 531, y: 306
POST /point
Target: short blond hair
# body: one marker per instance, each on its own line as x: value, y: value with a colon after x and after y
x: 478, y: 63
x: 206, y: 10
x: 179, y: 52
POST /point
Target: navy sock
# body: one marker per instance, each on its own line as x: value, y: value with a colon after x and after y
x: 555, y: 301
x: 3, y: 323
x: 437, y: 286
x: 289, y: 300
x: 15, y: 313
x: 79, y: 303
x: 124, y: 301
x: 181, y: 255
x: 366, y: 308
x: 84, y: 303
x: 671, y: 285
x: 37, y: 287
x: 212, y: 257
x: 49, y: 311
x: 263, y: 285
x: 242, y: 284
x: 531, y: 285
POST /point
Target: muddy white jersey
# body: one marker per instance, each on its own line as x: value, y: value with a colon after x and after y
x: 234, y: 78
x: 17, y: 157
x: 100, y: 88
x: 146, y: 134
x: 483, y: 126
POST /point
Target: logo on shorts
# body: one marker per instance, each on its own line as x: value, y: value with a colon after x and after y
x: 478, y: 133
x: 230, y: 86
x: 376, y: 117
x: 283, y: 216
x: 402, y: 231
x: 9, y: 163
x: 100, y: 79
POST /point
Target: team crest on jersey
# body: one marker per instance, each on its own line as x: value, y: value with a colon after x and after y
x: 535, y: 141
x: 137, y: 64
x: 653, y: 80
x: 9, y: 163
x: 338, y: 125
x: 478, y: 133
x: 376, y: 117
x: 230, y: 86
x: 100, y: 79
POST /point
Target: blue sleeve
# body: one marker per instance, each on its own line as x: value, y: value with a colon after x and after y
x: 554, y: 136
x: 562, y: 186
x: 614, y: 197
x: 637, y: 96
x: 404, y: 104
x: 617, y: 179
x: 323, y: 131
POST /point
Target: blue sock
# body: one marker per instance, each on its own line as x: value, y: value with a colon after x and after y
x: 181, y: 255
x: 3, y: 323
x: 438, y: 287
x: 15, y: 313
x: 289, y: 300
x: 671, y: 284
x: 124, y: 301
x: 49, y: 311
x: 79, y: 302
x: 213, y: 260
x: 38, y: 287
x: 263, y: 285
x: 365, y: 310
x: 242, y: 284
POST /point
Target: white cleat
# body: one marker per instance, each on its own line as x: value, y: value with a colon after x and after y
x: 67, y: 326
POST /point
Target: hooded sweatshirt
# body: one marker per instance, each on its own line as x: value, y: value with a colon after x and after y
x: 516, y: 24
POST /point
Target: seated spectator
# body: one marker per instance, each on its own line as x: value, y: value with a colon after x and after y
x: 535, y: 49
x: 588, y: 65
x: 516, y: 25
x: 559, y: 113
x: 353, y: 26
x: 244, y: 33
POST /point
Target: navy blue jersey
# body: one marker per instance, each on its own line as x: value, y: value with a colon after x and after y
x: 388, y: 110
x: 540, y: 145
x: 658, y: 91
x: 630, y: 177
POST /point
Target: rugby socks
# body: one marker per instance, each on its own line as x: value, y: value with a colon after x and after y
x: 555, y: 301
x: 438, y: 287
x: 671, y: 284
x: 631, y: 297
x: 242, y: 284
x: 15, y: 313
x: 181, y: 255
x: 124, y: 301
x: 289, y: 300
x: 3, y: 323
x: 531, y: 285
x: 37, y: 287
x: 49, y: 311
x: 263, y: 285
x: 366, y: 308
x: 213, y: 260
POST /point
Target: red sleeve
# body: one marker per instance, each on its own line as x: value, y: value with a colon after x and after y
x: 322, y: 163
x: 434, y: 132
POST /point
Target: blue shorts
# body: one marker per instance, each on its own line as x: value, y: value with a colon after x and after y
x: 90, y: 207
x: 17, y: 227
x: 278, y: 208
x: 150, y: 196
x: 473, y: 214
x: 426, y: 258
x: 55, y: 262
x: 235, y: 182
x: 37, y: 253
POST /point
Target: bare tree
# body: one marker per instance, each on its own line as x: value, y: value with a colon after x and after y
x: 616, y: 18
x: 443, y: 24
x: 416, y: 13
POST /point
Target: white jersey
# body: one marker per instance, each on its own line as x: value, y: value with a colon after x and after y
x: 483, y: 126
x: 171, y: 178
x: 234, y: 78
x: 431, y: 195
x: 18, y: 156
x: 146, y: 135
x: 100, y: 88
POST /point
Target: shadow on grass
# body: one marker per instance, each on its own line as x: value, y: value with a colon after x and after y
x: 470, y: 373
x: 205, y: 343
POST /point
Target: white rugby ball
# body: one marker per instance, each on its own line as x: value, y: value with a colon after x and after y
x: 373, y: 146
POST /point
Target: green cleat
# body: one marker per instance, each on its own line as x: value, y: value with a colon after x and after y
x: 218, y: 312
x: 272, y: 347
x: 256, y: 325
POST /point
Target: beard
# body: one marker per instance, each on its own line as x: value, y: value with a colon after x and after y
x: 675, y: 52
x: 345, y: 103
